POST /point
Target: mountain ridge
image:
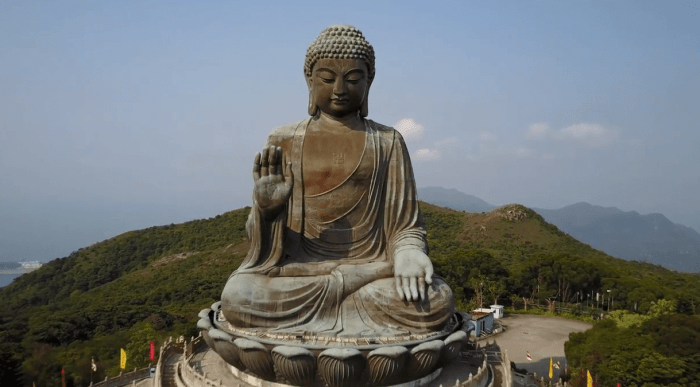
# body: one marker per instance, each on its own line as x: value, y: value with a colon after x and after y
x: 447, y: 197
x: 624, y: 234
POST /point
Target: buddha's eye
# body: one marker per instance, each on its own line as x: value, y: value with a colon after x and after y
x: 327, y: 80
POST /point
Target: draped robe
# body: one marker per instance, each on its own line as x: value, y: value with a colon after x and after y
x: 366, y: 220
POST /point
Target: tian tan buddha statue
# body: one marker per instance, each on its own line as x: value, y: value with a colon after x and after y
x: 338, y: 246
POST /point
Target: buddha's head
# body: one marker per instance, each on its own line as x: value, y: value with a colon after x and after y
x: 339, y: 71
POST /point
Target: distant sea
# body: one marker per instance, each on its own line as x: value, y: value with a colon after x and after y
x: 6, y: 279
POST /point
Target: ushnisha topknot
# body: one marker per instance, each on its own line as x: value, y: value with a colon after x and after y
x: 340, y: 42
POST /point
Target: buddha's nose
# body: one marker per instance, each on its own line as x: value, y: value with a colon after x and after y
x: 340, y: 87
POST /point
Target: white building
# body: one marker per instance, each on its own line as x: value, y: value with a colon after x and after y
x: 498, y: 311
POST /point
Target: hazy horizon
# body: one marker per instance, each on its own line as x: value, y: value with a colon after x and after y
x: 115, y: 118
x: 113, y: 224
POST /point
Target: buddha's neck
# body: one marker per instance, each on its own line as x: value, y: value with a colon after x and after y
x: 327, y: 122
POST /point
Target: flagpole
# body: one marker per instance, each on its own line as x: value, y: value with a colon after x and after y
x: 93, y: 368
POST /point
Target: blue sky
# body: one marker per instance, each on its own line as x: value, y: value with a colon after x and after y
x: 122, y: 115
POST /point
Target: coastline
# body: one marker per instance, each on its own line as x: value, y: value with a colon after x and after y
x: 6, y: 279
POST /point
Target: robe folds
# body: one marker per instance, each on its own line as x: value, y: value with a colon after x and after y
x: 358, y: 226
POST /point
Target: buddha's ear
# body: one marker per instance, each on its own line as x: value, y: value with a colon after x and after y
x: 312, y: 108
x: 364, y: 110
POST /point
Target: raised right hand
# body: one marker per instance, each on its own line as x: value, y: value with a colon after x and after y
x: 273, y: 180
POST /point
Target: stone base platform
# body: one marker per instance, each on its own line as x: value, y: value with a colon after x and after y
x: 306, y: 360
x: 216, y: 371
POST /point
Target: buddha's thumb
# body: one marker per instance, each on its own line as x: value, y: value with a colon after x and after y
x: 288, y: 174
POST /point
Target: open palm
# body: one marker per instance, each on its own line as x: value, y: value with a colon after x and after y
x: 273, y: 180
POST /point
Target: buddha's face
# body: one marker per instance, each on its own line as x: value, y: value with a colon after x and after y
x: 339, y: 86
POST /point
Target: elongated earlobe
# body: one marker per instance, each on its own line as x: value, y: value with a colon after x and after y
x: 364, y: 110
x: 313, y: 108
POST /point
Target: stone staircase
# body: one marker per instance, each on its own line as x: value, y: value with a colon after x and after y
x: 170, y: 371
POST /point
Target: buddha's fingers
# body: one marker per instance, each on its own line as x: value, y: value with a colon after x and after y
x: 421, y: 288
x: 256, y: 167
x: 398, y: 288
x: 405, y: 284
x: 264, y: 162
x: 414, y: 289
x: 282, y: 157
x: 288, y: 174
x: 279, y: 166
x: 272, y: 154
x: 429, y: 274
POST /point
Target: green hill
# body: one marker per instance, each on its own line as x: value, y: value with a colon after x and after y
x: 514, y: 246
x: 148, y: 284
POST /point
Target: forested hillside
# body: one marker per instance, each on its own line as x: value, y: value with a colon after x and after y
x: 119, y: 293
x: 516, y: 255
x: 148, y: 284
x: 661, y: 348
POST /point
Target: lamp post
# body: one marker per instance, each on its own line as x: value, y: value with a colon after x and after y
x: 609, y: 300
x: 579, y: 295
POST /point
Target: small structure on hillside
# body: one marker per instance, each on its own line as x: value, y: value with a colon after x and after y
x: 481, y: 320
x: 498, y: 311
x: 31, y: 265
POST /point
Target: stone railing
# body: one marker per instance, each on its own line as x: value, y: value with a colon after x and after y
x: 480, y: 379
x: 124, y: 379
x: 507, y: 373
x: 543, y: 382
x: 190, y: 377
x: 168, y: 349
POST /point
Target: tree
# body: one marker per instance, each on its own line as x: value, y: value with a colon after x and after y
x: 661, y: 350
x: 659, y: 369
x: 495, y: 289
x: 662, y: 307
x: 9, y: 369
x: 477, y: 283
x: 514, y: 299
x: 688, y: 305
x: 625, y: 319
x: 138, y: 349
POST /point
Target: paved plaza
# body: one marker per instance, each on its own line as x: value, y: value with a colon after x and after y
x: 543, y: 337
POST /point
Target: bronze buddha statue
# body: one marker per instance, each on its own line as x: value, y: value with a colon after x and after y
x: 338, y: 245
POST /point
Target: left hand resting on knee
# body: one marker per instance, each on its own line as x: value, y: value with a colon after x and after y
x: 412, y: 271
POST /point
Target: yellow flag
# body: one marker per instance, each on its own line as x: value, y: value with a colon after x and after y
x: 551, y: 371
x: 590, y: 380
x: 122, y: 362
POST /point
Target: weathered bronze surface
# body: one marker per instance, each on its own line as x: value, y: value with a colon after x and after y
x: 338, y: 245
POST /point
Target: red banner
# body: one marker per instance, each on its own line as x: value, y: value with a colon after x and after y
x: 153, y: 352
